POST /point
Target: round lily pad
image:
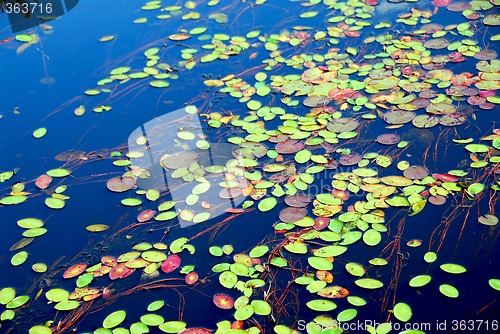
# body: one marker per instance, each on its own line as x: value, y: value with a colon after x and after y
x: 114, y: 319
x: 448, y: 290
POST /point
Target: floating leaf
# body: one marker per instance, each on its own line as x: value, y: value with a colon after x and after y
x: 402, y: 312
x: 419, y: 281
x: 448, y: 290
x: 369, y: 283
x: 152, y: 320
x: 107, y: 38
x: 75, y: 270
x: 244, y: 313
x: 321, y: 305
x: 17, y: 302
x: 30, y: 223
x: 118, y: 184
x: 97, y: 227
x: 57, y: 295
x: 267, y: 204
x: 39, y: 133
x: 430, y: 257
x: 58, y: 172
x: 223, y: 301
x: 19, y: 258
x: 453, y: 268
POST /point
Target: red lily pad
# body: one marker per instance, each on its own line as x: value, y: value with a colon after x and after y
x: 441, y: 3
x: 352, y: 33
x: 171, y: 263
x: 445, y: 177
x: 109, y: 260
x: 289, y: 146
x: 75, y: 270
x: 342, y: 194
x: 119, y: 271
x: 223, y: 301
x: 119, y: 185
x: 191, y: 278
x: 43, y: 181
x: 145, y: 215
x: 290, y: 215
x: 196, y: 331
x: 320, y: 223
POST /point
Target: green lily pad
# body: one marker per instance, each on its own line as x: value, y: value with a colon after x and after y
x: 321, y: 305
x: 173, y: 326
x: 67, y: 305
x: 319, y: 263
x: 296, y: 247
x: 259, y: 251
x: 55, y: 203
x: 430, y: 257
x: 261, y: 307
x: 39, y: 133
x: 402, y: 312
x: 228, y: 279
x: 40, y: 330
x: 369, y: 283
x: 494, y: 283
x: 372, y: 237
x: 419, y: 281
x: 347, y: 315
x: 6, y: 295
x: 114, y: 319
x: 152, y: 319
x: 453, y: 268
x: 19, y: 258
x: 244, y: 312
x: 58, y: 172
x: 448, y: 290
x: 57, y: 295
x: 17, y: 302
x: 267, y: 204
x: 355, y: 269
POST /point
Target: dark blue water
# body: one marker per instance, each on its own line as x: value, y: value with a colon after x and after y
x: 73, y: 57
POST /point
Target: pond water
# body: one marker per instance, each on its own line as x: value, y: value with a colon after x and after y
x: 251, y: 166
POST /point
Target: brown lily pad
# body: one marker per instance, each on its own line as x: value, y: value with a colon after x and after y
x: 289, y: 146
x: 291, y: 215
x: 416, y: 172
x: 119, y: 185
x: 298, y: 200
x: 388, y: 139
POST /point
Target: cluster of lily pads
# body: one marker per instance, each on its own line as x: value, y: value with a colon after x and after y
x: 404, y: 78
